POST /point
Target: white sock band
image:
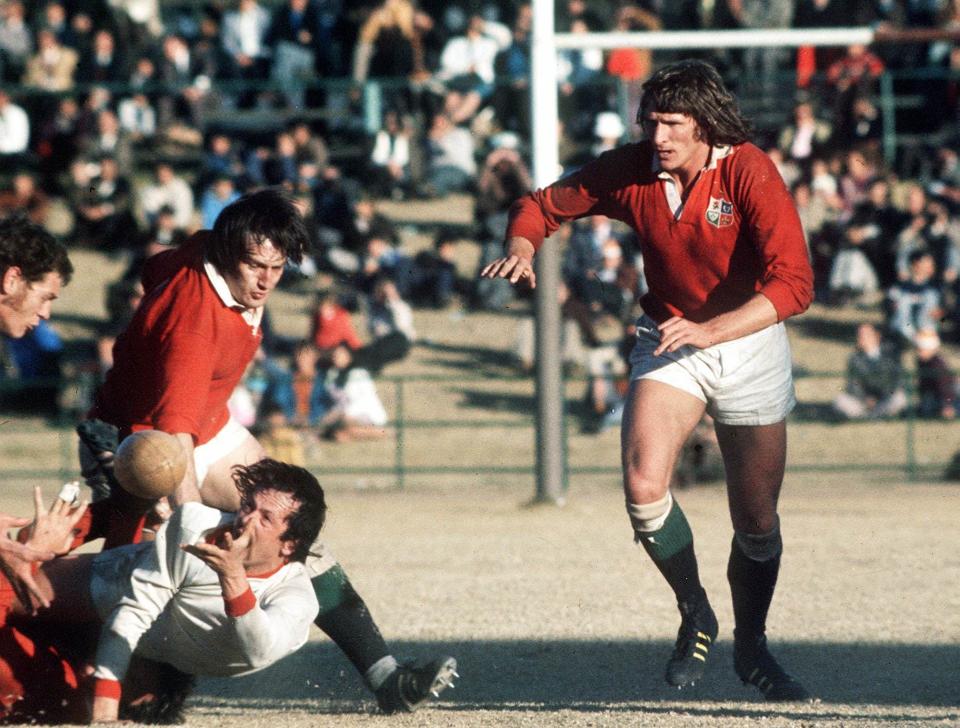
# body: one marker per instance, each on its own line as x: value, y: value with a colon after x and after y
x: 650, y: 516
x: 380, y: 671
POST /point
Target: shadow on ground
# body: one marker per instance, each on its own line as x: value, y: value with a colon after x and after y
x: 596, y: 676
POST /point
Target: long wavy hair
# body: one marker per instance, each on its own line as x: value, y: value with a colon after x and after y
x: 695, y: 88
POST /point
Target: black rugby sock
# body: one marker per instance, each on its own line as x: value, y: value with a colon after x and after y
x: 752, y: 584
x: 344, y: 617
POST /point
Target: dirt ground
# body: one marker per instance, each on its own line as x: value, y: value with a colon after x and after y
x: 557, y: 619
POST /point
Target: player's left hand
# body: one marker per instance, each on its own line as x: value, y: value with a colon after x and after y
x: 226, y: 556
x: 676, y: 332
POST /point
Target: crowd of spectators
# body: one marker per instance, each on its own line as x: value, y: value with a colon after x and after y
x: 147, y: 120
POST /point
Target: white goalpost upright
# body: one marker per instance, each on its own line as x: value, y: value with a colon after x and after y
x: 551, y: 466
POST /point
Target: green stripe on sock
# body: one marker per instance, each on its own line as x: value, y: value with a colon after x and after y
x: 670, y: 538
x: 332, y: 588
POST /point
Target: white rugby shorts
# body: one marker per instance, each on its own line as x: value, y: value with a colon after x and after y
x: 747, y: 381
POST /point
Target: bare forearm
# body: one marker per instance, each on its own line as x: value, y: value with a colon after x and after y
x: 189, y: 489
x: 756, y: 314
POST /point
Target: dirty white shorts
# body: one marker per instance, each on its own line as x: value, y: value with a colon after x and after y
x: 747, y: 381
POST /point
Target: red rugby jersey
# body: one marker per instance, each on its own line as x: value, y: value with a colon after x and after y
x: 738, y: 233
x: 183, y: 353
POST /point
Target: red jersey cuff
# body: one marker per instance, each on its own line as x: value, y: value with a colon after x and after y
x: 238, y: 606
x: 106, y: 688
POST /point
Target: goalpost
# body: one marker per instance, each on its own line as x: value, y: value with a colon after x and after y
x: 551, y: 466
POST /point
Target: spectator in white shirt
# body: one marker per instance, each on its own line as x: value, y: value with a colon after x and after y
x: 171, y: 191
x: 14, y: 127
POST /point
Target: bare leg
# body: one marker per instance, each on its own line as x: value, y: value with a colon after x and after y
x: 218, y: 489
x: 65, y: 583
x: 755, y: 458
x: 658, y: 419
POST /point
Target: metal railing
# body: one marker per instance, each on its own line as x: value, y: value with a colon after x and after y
x: 421, y: 445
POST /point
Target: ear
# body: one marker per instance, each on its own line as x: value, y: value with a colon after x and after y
x: 12, y: 280
x: 287, y: 548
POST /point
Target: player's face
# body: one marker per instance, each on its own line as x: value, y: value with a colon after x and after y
x: 24, y: 303
x: 256, y: 275
x: 266, y: 515
x: 676, y: 140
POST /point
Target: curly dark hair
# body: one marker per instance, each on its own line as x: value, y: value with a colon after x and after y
x: 268, y: 214
x: 695, y: 88
x: 305, y: 523
x: 27, y: 246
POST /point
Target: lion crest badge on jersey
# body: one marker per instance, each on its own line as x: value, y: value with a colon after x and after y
x: 720, y: 212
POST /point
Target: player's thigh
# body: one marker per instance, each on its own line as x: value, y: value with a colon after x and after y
x: 218, y: 489
x: 65, y: 582
x: 657, y: 419
x: 754, y: 457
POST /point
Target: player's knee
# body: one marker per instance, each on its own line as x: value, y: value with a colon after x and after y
x: 761, y: 546
x: 649, y: 517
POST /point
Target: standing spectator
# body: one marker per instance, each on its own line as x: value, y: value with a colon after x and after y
x: 170, y: 190
x: 511, y: 95
x: 631, y: 66
x: 292, y: 37
x: 53, y: 66
x: 849, y: 77
x: 390, y: 44
x: 244, y: 33
x: 188, y: 84
x: 761, y: 65
x: 874, y: 387
x: 936, y: 383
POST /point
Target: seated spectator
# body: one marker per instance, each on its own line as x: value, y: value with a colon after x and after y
x: 25, y: 196
x: 331, y: 326
x: 861, y: 167
x: 168, y: 189
x: 220, y: 193
x: 390, y: 158
x: 450, y: 163
x: 309, y: 147
x: 32, y: 364
x: 936, y: 383
x: 188, y: 93
x: 874, y: 386
x: 279, y: 439
x: 614, y: 287
x: 299, y: 393
x: 221, y: 159
x: 873, y: 228
x: 354, y: 410
x: 503, y: 178
x: 511, y: 95
x: 382, y: 260
x: 851, y: 76
x: 138, y: 117
x: 108, y: 139
x: 608, y: 131
x: 104, y: 63
x: 915, y: 303
x: 16, y: 41
x: 104, y: 212
x: 365, y: 222
x: 466, y: 67
x: 700, y: 459
x: 390, y: 323
x: 631, y: 66
x: 164, y: 233
x: 53, y: 66
x: 14, y: 130
x: 580, y: 77
x: 806, y: 137
x: 435, y: 273
x: 864, y: 125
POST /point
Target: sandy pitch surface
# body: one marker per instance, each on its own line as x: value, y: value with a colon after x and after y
x: 557, y: 619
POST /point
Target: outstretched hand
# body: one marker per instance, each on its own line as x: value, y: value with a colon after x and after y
x: 53, y: 530
x: 515, y: 265
x: 51, y: 533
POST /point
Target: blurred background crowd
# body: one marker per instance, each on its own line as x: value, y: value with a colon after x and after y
x: 142, y: 119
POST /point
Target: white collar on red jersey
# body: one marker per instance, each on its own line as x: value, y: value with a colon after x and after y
x: 716, y: 154
x: 251, y: 315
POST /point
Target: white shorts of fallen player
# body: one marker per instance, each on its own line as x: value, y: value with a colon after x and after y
x: 747, y: 381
